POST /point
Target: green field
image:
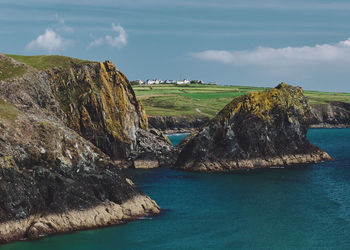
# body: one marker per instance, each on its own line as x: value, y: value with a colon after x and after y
x: 197, y: 100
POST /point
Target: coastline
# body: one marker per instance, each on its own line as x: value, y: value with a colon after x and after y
x: 322, y: 125
x: 105, y: 214
x: 254, y: 163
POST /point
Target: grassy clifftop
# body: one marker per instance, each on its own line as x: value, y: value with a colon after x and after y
x: 47, y: 61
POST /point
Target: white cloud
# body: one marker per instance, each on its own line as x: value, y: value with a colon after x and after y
x: 49, y: 41
x: 264, y: 56
x: 117, y: 41
x: 96, y: 42
x: 62, y: 27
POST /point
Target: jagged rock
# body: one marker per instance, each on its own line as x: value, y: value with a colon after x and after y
x: 260, y: 129
x: 52, y: 180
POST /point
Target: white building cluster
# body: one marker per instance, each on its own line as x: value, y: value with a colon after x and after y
x: 158, y: 81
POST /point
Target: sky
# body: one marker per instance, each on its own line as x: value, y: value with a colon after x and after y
x: 237, y: 42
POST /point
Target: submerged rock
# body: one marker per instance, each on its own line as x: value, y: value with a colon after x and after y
x: 52, y: 178
x: 260, y: 129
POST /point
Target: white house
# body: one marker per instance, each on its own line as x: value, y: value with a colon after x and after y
x: 139, y: 82
x: 184, y: 81
x: 169, y: 81
x: 154, y: 81
x: 158, y: 81
x: 150, y: 81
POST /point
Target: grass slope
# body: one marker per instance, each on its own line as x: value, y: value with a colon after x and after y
x: 7, y: 111
x: 196, y: 100
x: 10, y: 70
x: 47, y: 61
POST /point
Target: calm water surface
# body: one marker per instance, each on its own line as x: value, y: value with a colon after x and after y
x: 307, y: 207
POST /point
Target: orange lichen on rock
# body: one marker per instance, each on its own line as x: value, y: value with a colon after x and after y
x: 101, y: 105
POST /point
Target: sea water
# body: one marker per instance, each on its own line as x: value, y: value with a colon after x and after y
x: 304, y: 207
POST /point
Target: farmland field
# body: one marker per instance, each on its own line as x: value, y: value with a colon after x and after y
x: 198, y: 100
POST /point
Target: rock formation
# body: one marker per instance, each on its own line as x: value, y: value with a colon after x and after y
x: 56, y: 179
x: 170, y: 124
x: 260, y: 129
x: 330, y: 115
x: 101, y: 106
x: 151, y: 148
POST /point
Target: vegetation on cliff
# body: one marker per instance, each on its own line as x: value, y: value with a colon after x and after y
x: 7, y: 111
x: 10, y: 69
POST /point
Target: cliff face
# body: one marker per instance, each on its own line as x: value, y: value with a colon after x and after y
x: 52, y: 179
x: 170, y: 124
x: 101, y: 106
x: 332, y: 114
x: 261, y: 129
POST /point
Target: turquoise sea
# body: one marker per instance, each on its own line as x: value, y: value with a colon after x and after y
x: 305, y: 207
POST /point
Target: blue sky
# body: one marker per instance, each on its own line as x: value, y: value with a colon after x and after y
x: 257, y: 43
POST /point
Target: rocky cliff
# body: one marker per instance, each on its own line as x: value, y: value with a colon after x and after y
x: 101, y: 106
x: 171, y: 124
x: 55, y: 178
x: 260, y: 129
x: 330, y: 115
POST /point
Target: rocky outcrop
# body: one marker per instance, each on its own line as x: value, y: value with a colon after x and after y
x: 101, y: 106
x: 53, y: 180
x: 152, y: 152
x: 330, y: 115
x: 260, y: 129
x: 105, y: 214
x: 172, y: 124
